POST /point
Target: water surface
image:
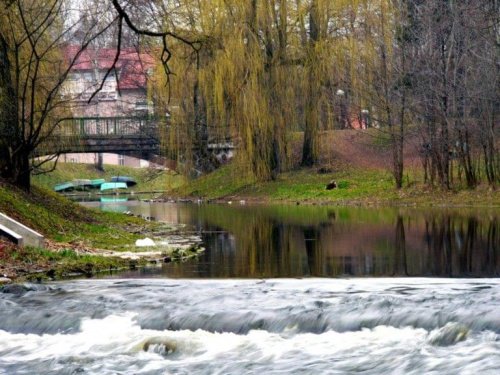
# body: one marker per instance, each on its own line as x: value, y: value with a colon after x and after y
x: 300, y: 241
x: 281, y: 326
x: 279, y: 290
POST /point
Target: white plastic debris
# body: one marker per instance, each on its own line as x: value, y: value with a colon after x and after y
x: 145, y: 242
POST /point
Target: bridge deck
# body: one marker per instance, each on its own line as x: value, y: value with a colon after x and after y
x: 124, y: 135
x: 104, y: 134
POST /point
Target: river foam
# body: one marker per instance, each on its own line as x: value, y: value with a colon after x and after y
x: 312, y: 326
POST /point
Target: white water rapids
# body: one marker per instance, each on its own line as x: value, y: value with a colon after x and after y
x: 276, y: 326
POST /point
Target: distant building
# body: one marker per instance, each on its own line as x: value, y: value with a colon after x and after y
x: 107, y: 158
x: 124, y: 92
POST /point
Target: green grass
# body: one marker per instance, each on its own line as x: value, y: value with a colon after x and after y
x: 355, y: 186
x: 64, y: 221
x: 220, y: 183
x: 307, y: 185
x: 297, y: 185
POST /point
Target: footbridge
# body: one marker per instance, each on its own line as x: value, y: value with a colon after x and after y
x: 134, y: 136
x: 122, y: 135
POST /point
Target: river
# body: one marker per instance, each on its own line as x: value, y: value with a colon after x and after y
x: 279, y: 290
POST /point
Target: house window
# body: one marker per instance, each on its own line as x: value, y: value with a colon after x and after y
x: 73, y: 160
x: 141, y: 105
x: 87, y: 84
x: 141, y: 108
x: 109, y: 83
x: 121, y: 160
x: 87, y: 77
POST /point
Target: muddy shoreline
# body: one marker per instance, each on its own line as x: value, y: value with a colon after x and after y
x: 59, y: 261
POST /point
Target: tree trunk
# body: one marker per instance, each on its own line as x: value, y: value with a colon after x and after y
x: 10, y: 167
x: 310, y: 148
x: 205, y: 160
x: 22, y: 170
x: 99, y: 166
x: 400, y: 266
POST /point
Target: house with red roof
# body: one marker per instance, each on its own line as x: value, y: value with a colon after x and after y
x: 124, y: 91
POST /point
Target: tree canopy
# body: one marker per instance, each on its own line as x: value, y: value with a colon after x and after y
x: 260, y: 72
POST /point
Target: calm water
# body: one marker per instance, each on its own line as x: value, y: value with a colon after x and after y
x: 280, y: 290
x: 296, y: 241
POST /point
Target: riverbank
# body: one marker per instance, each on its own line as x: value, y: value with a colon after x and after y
x: 80, y: 241
x: 148, y: 179
x: 354, y: 186
x: 357, y: 163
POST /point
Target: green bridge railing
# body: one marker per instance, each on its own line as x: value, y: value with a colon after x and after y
x: 88, y: 126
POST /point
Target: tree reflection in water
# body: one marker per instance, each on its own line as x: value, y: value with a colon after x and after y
x: 300, y: 241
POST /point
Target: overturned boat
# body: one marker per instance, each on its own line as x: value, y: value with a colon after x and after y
x: 128, y: 180
x: 97, y: 183
x: 64, y: 187
x: 82, y: 184
x: 113, y: 186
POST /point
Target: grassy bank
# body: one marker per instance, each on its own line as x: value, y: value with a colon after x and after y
x: 63, y: 221
x: 355, y: 186
x: 359, y: 162
x: 148, y: 179
x: 76, y: 235
x: 299, y: 185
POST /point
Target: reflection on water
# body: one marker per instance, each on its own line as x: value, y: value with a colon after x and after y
x: 296, y: 241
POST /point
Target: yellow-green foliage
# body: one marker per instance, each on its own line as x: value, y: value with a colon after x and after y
x: 32, y: 28
x: 261, y: 72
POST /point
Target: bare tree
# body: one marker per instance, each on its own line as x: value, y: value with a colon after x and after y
x: 33, y: 36
x: 32, y: 72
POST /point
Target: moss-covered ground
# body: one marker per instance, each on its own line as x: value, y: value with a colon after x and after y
x: 33, y: 264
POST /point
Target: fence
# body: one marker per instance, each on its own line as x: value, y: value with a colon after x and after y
x: 85, y: 126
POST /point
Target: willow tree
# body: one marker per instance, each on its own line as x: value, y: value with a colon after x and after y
x: 334, y: 36
x: 264, y: 69
x: 238, y: 83
x: 391, y: 79
x: 310, y: 149
x: 258, y: 75
x: 370, y: 44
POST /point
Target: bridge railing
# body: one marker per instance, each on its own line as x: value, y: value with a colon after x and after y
x: 88, y: 126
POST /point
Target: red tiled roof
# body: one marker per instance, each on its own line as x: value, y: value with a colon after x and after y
x: 132, y: 64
